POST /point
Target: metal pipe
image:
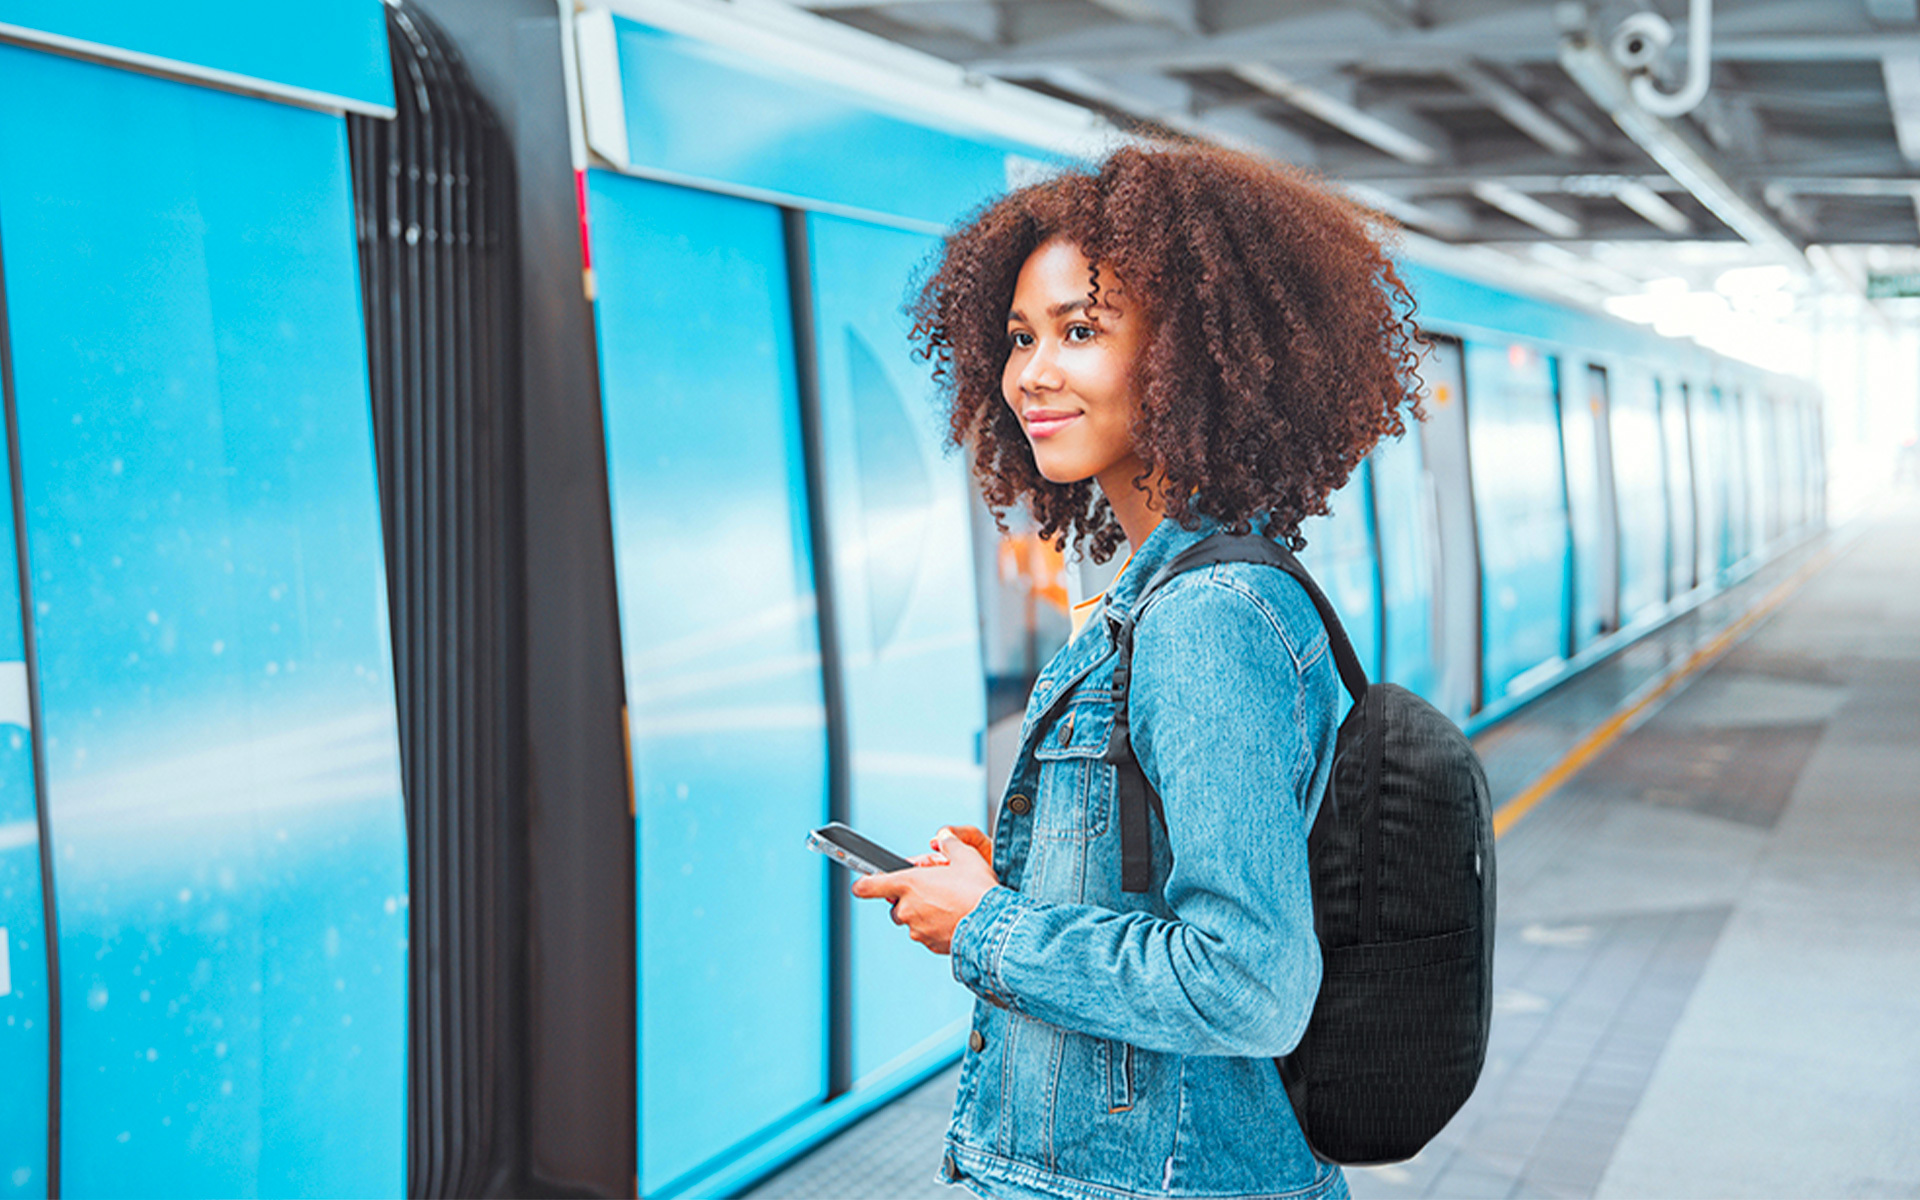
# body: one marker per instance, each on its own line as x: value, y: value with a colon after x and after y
x: 1699, y: 68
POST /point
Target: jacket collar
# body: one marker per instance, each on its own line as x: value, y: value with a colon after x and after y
x: 1094, y: 644
x: 1161, y: 546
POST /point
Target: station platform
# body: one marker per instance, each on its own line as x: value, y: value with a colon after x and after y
x: 1708, y: 950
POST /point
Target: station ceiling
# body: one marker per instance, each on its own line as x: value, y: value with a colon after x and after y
x: 1498, y: 121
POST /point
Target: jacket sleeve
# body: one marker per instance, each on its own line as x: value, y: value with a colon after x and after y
x: 1220, y: 727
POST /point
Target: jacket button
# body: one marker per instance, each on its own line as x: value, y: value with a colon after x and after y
x: 976, y: 1041
x: 1019, y: 805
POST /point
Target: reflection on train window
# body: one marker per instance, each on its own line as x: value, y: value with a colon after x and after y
x: 1024, y: 616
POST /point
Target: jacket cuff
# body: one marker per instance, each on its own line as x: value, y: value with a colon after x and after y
x: 980, y: 941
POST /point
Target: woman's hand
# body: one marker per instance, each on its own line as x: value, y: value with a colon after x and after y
x: 931, y: 899
x: 969, y: 834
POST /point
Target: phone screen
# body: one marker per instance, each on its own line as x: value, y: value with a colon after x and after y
x: 853, y: 843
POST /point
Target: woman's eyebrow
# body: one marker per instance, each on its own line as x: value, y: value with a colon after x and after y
x: 1056, y: 310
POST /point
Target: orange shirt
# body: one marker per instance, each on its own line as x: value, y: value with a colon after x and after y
x: 1083, y: 610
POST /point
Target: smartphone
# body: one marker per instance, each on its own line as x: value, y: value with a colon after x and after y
x: 854, y: 852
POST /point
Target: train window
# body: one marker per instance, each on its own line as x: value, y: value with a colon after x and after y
x: 1684, y: 505
x: 1640, y: 490
x: 1513, y: 422
x: 1022, y: 583
x: 1340, y: 554
x: 913, y: 704
x: 1590, y: 503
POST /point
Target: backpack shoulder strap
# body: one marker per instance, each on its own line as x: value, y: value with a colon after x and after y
x: 1134, y: 793
x: 1253, y: 547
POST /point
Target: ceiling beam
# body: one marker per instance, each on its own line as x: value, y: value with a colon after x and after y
x: 1522, y: 113
x: 1397, y: 133
x: 1902, y: 74
x: 1593, y: 184
x: 1321, y: 38
x: 1654, y: 207
x: 1522, y: 207
x: 1447, y: 218
x: 1183, y: 15
x: 1167, y: 101
x: 975, y: 19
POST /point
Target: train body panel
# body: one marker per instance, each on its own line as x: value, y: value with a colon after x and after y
x: 215, y: 692
x: 324, y: 52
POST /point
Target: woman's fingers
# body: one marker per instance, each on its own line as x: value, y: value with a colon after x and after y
x: 975, y: 837
x: 887, y: 886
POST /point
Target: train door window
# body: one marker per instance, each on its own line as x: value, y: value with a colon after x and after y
x: 1788, y: 483
x: 1728, y: 486
x: 1340, y: 554
x: 1590, y: 510
x: 720, y: 634
x: 1639, y: 472
x: 1735, y: 444
x: 1520, y: 499
x: 222, y: 767
x: 1763, y: 473
x: 1709, y: 491
x: 904, y: 606
x: 1444, y: 452
x: 1683, y: 508
x: 1407, y: 532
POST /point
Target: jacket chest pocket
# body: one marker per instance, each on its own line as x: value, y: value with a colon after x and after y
x: 1076, y: 784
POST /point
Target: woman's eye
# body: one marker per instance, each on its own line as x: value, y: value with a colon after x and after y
x: 1020, y: 339
x: 1080, y: 333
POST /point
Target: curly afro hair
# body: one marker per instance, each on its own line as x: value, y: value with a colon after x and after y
x: 1280, y: 348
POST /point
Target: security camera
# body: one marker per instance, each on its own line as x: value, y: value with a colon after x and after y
x: 1640, y: 41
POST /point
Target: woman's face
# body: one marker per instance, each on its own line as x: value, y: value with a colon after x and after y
x: 1069, y: 368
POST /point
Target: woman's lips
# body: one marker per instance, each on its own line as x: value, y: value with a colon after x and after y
x: 1046, y: 426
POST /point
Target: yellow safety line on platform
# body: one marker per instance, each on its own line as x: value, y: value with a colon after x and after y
x: 1590, y: 747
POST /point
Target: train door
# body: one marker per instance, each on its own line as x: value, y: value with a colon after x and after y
x: 906, y: 622
x: 213, y: 672
x: 1444, y: 450
x: 1591, y: 510
x: 1678, y: 426
x: 1407, y: 524
x: 1639, y: 470
x: 1340, y: 554
x: 720, y: 637
x: 1519, y: 490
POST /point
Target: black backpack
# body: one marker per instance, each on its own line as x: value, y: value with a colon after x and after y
x: 1402, y: 861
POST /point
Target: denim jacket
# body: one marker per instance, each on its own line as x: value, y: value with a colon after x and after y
x: 1123, y: 1043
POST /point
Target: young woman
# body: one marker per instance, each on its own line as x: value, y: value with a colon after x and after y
x: 1216, y: 342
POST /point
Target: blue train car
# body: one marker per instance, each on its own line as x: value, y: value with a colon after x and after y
x: 472, y: 509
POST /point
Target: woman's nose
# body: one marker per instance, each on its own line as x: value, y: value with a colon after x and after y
x: 1041, y: 372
